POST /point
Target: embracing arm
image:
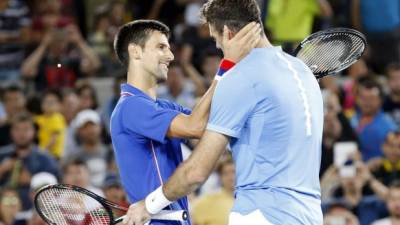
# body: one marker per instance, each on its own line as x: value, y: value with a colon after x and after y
x: 186, y: 178
x: 195, y: 170
x: 236, y: 48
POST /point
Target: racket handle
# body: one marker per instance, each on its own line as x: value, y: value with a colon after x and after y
x: 176, y: 215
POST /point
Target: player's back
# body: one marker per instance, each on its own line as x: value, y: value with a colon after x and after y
x: 277, y: 155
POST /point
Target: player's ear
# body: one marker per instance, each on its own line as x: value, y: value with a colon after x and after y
x: 135, y: 51
x: 227, y: 33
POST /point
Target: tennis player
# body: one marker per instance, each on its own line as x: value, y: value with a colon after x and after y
x: 269, y: 109
x: 146, y: 131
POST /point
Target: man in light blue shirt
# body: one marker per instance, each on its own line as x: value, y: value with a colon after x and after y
x: 268, y: 107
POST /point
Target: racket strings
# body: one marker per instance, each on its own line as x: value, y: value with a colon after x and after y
x: 69, y: 207
x: 331, y: 52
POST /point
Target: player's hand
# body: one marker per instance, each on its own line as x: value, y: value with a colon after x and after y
x: 237, y: 47
x: 137, y: 214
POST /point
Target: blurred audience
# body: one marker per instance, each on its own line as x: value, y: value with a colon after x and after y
x: 393, y: 205
x: 51, y: 124
x: 62, y: 57
x: 380, y: 22
x: 391, y: 104
x: 14, y: 35
x: 90, y: 148
x: 214, y: 208
x: 14, y: 102
x: 370, y: 122
x: 47, y: 48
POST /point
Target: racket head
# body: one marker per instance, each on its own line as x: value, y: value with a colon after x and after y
x: 331, y: 51
x: 63, y: 204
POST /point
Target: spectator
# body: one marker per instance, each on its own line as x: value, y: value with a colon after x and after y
x: 75, y: 172
x: 336, y: 129
x: 14, y: 102
x: 10, y: 206
x: 393, y: 205
x: 70, y: 108
x: 380, y: 22
x: 339, y: 214
x: 49, y: 17
x: 213, y: 209
x: 370, y: 123
x: 291, y: 21
x: 177, y: 88
x: 38, y: 181
x: 349, y: 87
x: 112, y: 102
x: 23, y: 159
x: 387, y: 168
x: 14, y: 34
x: 52, y: 65
x: 87, y: 96
x: 391, y: 104
x: 52, y: 125
x: 351, y: 193
x: 195, y: 40
x: 114, y: 192
x: 90, y: 148
x: 69, y: 105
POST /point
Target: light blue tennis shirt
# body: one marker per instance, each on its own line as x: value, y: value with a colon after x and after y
x: 270, y: 104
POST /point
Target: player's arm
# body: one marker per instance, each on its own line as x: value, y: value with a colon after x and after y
x: 186, y: 178
x: 195, y: 170
x: 236, y: 48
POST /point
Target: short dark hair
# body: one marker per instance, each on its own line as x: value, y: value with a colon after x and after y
x: 233, y: 13
x: 12, y: 89
x: 21, y: 118
x: 392, y: 67
x: 370, y: 82
x: 394, y: 184
x: 74, y: 161
x: 136, y: 32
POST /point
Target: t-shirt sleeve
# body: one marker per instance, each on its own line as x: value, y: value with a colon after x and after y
x: 232, y: 103
x: 146, y: 118
x: 175, y: 106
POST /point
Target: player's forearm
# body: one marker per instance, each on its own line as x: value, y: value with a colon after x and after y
x: 184, y: 181
x: 201, y: 111
x: 191, y: 173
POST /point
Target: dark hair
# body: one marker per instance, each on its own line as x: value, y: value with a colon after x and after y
x: 392, y: 67
x: 395, y: 184
x: 82, y: 87
x: 54, y: 93
x: 136, y: 32
x: 22, y: 117
x: 233, y: 13
x: 370, y: 82
x: 74, y: 161
x: 11, y: 89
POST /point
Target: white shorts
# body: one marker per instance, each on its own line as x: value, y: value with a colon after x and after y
x: 253, y: 218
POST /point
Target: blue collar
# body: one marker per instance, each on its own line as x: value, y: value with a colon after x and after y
x: 129, y: 90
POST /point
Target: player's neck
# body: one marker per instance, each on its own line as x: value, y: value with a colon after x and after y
x: 264, y: 43
x: 143, y: 81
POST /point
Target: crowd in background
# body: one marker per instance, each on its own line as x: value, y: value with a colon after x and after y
x: 59, y: 82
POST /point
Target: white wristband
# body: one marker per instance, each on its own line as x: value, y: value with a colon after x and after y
x: 156, y: 201
x: 218, y: 77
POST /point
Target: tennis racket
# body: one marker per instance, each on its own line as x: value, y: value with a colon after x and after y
x: 331, y: 51
x: 62, y: 204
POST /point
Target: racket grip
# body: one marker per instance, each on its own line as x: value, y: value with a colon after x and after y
x: 176, y: 215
